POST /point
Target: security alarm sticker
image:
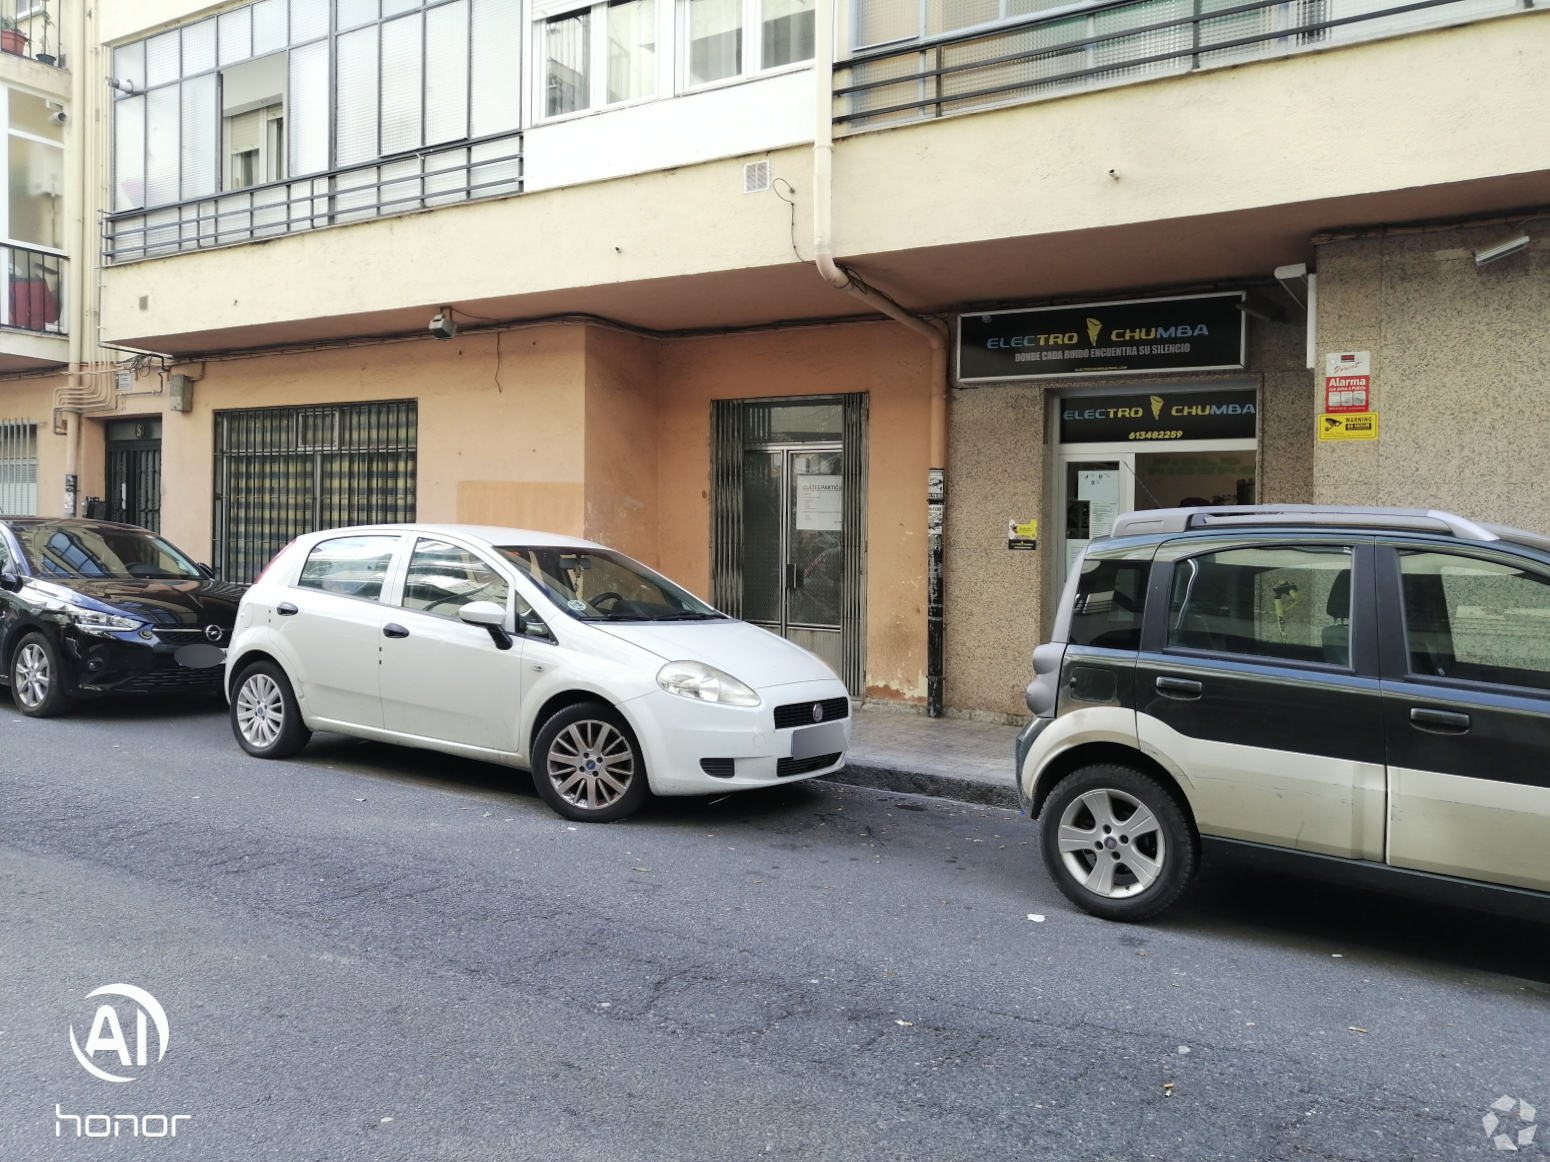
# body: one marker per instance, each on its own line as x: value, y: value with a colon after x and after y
x: 1022, y: 534
x: 1362, y: 426
x: 1347, y: 381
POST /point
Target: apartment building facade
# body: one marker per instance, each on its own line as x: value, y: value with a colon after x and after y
x: 566, y: 266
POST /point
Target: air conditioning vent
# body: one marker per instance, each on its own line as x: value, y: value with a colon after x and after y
x: 756, y: 177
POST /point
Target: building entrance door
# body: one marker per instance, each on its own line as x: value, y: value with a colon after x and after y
x: 793, y: 517
x: 789, y: 539
x: 134, y: 473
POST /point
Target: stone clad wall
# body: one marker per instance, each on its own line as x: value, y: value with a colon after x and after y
x: 1459, y: 365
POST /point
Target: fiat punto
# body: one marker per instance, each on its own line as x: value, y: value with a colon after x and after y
x: 531, y: 650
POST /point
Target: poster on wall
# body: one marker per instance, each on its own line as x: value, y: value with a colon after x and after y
x: 818, y: 503
x: 1022, y: 535
x: 1187, y: 333
x: 1347, y: 381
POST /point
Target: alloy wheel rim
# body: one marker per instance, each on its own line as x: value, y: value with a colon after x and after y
x: 591, y: 764
x: 1111, y: 843
x: 32, y: 675
x: 260, y: 710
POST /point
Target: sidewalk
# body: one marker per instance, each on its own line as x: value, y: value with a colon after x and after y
x: 949, y: 758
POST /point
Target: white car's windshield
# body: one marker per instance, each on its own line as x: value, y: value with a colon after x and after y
x: 596, y: 585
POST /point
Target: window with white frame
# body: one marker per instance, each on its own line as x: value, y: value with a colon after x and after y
x: 604, y: 54
x: 877, y: 22
x: 35, y: 208
x: 713, y: 46
x: 289, y: 88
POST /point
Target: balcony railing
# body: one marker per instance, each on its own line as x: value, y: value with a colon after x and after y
x: 34, y: 291
x: 421, y: 181
x: 31, y: 28
x: 1112, y: 42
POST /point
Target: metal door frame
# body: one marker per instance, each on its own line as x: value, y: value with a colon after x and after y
x: 726, y: 524
x: 787, y: 493
x: 116, y: 512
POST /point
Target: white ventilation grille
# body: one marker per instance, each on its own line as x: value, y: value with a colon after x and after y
x: 756, y: 177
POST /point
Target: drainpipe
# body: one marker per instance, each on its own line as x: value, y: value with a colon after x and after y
x: 933, y: 332
x: 79, y: 132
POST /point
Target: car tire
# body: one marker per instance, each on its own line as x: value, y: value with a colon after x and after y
x: 588, y: 766
x: 264, y: 715
x: 1117, y: 842
x: 38, y: 680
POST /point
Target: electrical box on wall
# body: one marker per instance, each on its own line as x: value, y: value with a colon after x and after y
x: 180, y: 393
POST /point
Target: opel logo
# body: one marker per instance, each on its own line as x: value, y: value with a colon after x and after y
x: 817, y: 711
x: 213, y: 632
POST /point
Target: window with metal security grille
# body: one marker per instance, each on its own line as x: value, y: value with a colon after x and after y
x: 756, y: 177
x: 282, y: 472
x: 18, y: 468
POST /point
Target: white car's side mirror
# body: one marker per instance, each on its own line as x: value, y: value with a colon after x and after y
x: 482, y: 613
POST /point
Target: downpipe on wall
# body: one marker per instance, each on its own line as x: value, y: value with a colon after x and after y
x: 930, y: 329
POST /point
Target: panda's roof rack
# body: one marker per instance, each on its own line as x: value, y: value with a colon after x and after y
x: 1429, y: 520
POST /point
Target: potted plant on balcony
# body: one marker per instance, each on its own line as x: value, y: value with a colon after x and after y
x: 12, y: 38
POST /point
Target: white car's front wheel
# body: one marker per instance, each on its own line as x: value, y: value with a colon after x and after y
x: 587, y: 764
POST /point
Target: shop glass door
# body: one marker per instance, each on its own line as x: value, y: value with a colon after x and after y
x: 1098, y: 483
x: 793, y: 522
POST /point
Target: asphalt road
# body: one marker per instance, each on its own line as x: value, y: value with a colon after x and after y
x: 368, y: 953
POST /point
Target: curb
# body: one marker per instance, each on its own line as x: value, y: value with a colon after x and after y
x: 936, y: 785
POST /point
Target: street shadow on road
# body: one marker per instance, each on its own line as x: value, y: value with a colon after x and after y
x: 1287, y: 911
x: 137, y: 707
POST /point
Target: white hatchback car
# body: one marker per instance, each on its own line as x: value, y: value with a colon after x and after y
x: 535, y: 651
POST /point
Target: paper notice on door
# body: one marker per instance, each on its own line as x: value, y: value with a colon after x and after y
x: 818, y: 503
x: 1098, y: 484
x: 1074, y: 549
x: 1100, y: 516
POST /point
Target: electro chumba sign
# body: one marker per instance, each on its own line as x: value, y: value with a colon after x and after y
x: 1188, y: 333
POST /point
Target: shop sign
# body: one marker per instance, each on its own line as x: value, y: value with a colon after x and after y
x: 1169, y: 415
x: 1362, y: 426
x: 1188, y: 333
x: 1347, y: 381
x: 1022, y: 534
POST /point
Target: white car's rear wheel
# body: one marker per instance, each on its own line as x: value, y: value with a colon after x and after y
x: 587, y: 764
x: 264, y: 716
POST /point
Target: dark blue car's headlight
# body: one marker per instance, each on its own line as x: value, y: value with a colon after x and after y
x: 94, y: 619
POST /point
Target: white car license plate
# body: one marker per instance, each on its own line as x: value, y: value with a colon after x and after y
x: 811, y: 741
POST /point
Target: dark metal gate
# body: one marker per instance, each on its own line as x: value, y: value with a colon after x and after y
x: 134, y: 483
x: 747, y: 435
x: 282, y: 472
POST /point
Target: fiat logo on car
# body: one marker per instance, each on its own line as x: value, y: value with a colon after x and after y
x: 817, y: 711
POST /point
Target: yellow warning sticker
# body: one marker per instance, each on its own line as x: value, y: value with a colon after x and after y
x: 1350, y: 426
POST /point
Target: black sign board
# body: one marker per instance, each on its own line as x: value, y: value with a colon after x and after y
x: 1167, y: 415
x: 1192, y: 333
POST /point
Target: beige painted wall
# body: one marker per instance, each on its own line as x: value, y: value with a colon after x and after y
x: 623, y: 501
x: 1264, y: 135
x: 1459, y: 382
x: 883, y: 359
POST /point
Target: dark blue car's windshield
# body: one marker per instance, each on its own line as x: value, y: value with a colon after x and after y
x: 76, y: 550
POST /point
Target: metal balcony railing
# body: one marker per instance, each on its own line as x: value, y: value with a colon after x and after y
x: 31, y: 28
x: 1111, y: 42
x: 34, y: 291
x: 420, y: 181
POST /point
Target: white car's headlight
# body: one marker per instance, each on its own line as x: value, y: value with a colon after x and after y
x: 708, y: 684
